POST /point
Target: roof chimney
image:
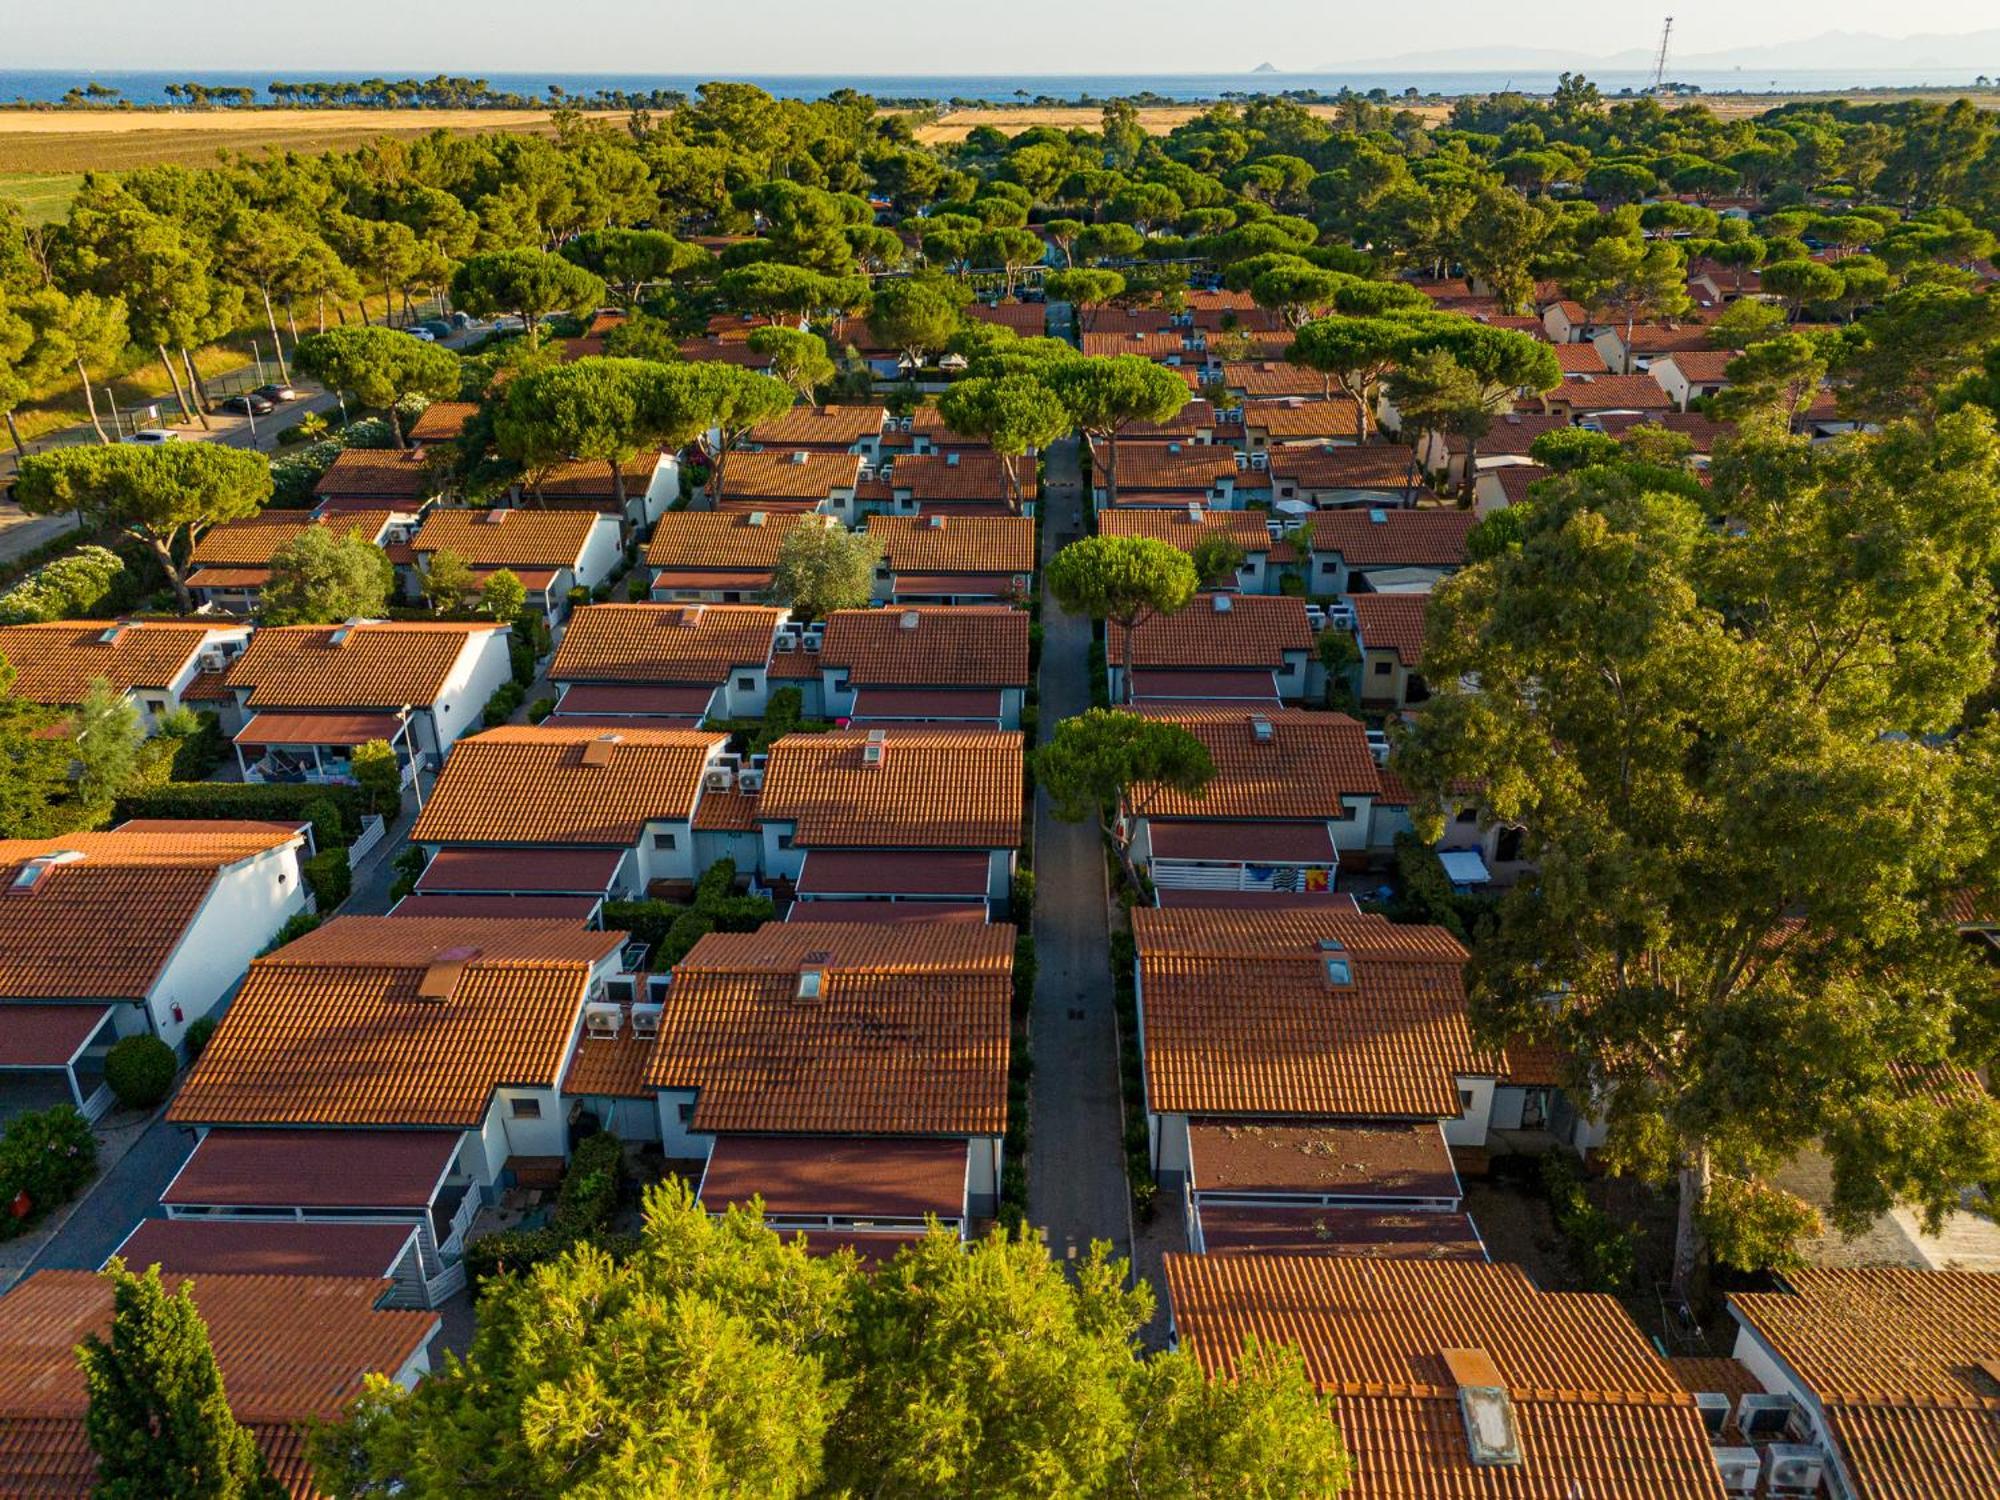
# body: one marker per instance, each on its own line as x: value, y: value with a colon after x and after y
x: 1492, y: 1439
x: 441, y: 975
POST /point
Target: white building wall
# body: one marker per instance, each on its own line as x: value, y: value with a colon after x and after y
x: 601, y: 553
x: 677, y: 1141
x: 243, y: 911
x: 481, y: 667
x: 654, y: 863
x: 1470, y: 1128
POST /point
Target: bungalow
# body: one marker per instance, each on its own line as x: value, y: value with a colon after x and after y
x: 1385, y: 551
x: 1576, y: 360
x: 232, y: 562
x: 151, y: 664
x: 823, y: 429
x: 306, y: 695
x: 1291, y: 801
x: 1510, y: 436
x: 138, y: 930
x: 1589, y: 394
x: 1690, y: 374
x: 1270, y: 425
x: 652, y: 487
x: 1389, y: 630
x: 449, y: 1034
x: 293, y: 1350
x: 443, y: 421
x: 1648, y: 342
x: 720, y: 556
x: 1703, y: 432
x: 906, y: 812
x: 1321, y: 1024
x: 852, y: 1076
x: 405, y: 479
x: 1187, y: 526
x: 1250, y: 380
x: 1457, y: 1376
x: 622, y: 799
x: 945, y: 559
x: 1245, y: 648
x: 934, y: 664
x: 1164, y: 346
x: 959, y: 481
x: 550, y: 551
x: 1194, y: 425
x: 798, y: 480
x: 1500, y: 485
x: 666, y: 663
x: 1374, y: 474
x: 1168, y: 474
x: 1028, y: 320
x: 1874, y: 1382
x: 1569, y: 322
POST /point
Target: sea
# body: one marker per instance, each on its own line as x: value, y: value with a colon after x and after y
x: 49, y: 85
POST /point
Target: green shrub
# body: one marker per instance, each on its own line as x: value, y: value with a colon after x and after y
x: 584, y: 1205
x: 48, y: 1154
x: 689, y: 928
x: 500, y: 707
x: 648, y: 921
x: 140, y: 1070
x: 329, y: 878
x: 1021, y: 899
x: 1605, y: 1252
x: 297, y: 925
x: 330, y: 809
x: 409, y: 867
x: 1024, y: 973
x: 540, y: 709
x: 636, y: 590
x: 198, y: 1035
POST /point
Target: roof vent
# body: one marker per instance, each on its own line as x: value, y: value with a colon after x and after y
x: 799, y: 457
x: 1335, y: 965
x: 1492, y: 1439
x: 341, y: 632
x: 908, y: 621
x: 30, y: 874
x: 496, y: 516
x: 1194, y: 511
x: 1221, y: 603
x: 811, y: 983
x: 1260, y: 729
x: 441, y: 975
x: 597, y: 752
x: 109, y: 635
x: 691, y: 614
x: 935, y: 522
x: 871, y: 752
x: 951, y: 460
x: 756, y: 518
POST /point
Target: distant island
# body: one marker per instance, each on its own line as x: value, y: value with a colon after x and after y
x: 1263, y: 67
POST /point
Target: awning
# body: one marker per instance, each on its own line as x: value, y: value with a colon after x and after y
x: 1374, y: 1235
x: 228, y: 578
x: 954, y: 585
x: 538, y: 871
x: 611, y: 699
x: 1248, y: 843
x: 711, y: 583
x: 1464, y: 866
x: 848, y: 1177
x: 398, y: 1169
x: 578, y: 909
x: 534, y: 580
x: 887, y: 913
x: 47, y: 1036
x: 319, y: 729
x: 1257, y: 900
x: 247, y: 1247
x: 838, y: 872
x: 922, y: 703
x: 1152, y: 682
x: 1337, y: 1161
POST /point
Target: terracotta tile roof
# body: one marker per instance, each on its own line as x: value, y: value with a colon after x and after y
x: 379, y: 473
x: 543, y: 784
x: 334, y: 1029
x: 1272, y: 377
x: 611, y: 1067
x: 1611, y: 393
x: 727, y: 351
x: 1515, y: 431
x: 807, y: 426
x: 929, y: 646
x: 773, y: 475
x: 907, y: 1035
x: 1596, y: 1411
x: 1371, y: 466
x: 372, y: 665
x: 1309, y: 763
x: 56, y: 663
x: 1697, y: 364
x: 503, y: 537
x: 961, y: 474
x: 733, y: 811
x: 103, y: 926
x: 1919, y: 1453
x: 1124, y: 320
x: 290, y: 1347
x: 664, y: 643
x: 932, y: 789
x: 443, y: 421
x: 1392, y: 622
x: 1028, y: 319
x: 589, y: 483
x: 1176, y: 527
x: 960, y: 544
x: 1288, y: 421
x: 1254, y: 630
x: 722, y: 541
x: 1241, y: 1019
x: 877, y: 1178
x: 1405, y: 538
x: 1704, y: 432
x: 1185, y: 426
x: 1651, y: 338
x: 1580, y: 359
x: 1165, y: 343
x: 257, y: 539
x: 1165, y: 466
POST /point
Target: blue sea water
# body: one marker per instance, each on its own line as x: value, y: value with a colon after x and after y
x: 39, y: 85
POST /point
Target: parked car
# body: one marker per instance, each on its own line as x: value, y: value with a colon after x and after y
x: 277, y: 391
x: 422, y: 333
x: 154, y: 435
x: 508, y: 324
x: 437, y: 328
x: 250, y: 404
x: 461, y: 321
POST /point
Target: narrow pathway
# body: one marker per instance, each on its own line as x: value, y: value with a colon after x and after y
x: 1076, y: 1169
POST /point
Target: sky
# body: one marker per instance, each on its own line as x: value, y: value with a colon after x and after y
x: 892, y: 36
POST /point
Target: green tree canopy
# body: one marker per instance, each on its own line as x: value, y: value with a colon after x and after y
x: 824, y: 568
x: 1106, y: 761
x: 915, y: 317
x: 1011, y: 413
x: 527, y: 283
x: 379, y: 368
x: 322, y: 576
x: 1106, y: 395
x: 798, y: 357
x: 1123, y: 579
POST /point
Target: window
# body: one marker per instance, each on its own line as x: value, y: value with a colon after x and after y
x: 1382, y: 668
x: 1465, y: 1101
x: 784, y: 841
x: 1467, y: 815
x: 685, y: 1112
x: 525, y: 1109
x: 664, y: 841
x: 746, y: 684
x: 1328, y: 565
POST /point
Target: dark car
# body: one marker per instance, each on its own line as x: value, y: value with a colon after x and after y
x: 436, y: 328
x: 249, y: 405
x: 277, y: 391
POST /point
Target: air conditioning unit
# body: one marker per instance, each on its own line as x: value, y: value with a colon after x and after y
x: 1714, y: 1407
x: 1793, y: 1469
x: 751, y: 781
x: 646, y: 1022
x: 787, y: 642
x: 214, y: 661
x: 1760, y: 1415
x: 1378, y: 746
x: 601, y: 1020
x: 1740, y: 1467
x: 1315, y: 617
x: 1260, y: 460
x: 718, y: 778
x: 1242, y: 460
x: 1340, y: 616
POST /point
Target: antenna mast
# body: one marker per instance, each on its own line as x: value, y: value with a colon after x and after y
x: 1660, y: 62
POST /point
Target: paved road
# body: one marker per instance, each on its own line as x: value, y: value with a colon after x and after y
x: 120, y: 1199
x: 1076, y: 1170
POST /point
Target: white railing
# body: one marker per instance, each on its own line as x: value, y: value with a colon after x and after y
x: 373, y: 827
x: 1195, y: 875
x: 461, y: 1220
x: 451, y: 1279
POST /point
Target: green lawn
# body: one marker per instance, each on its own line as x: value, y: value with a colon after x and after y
x: 42, y: 197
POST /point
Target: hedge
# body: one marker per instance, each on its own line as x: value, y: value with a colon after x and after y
x: 140, y: 1070
x: 584, y: 1205
x: 47, y: 1154
x: 297, y: 925
x: 329, y: 878
x: 273, y: 802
